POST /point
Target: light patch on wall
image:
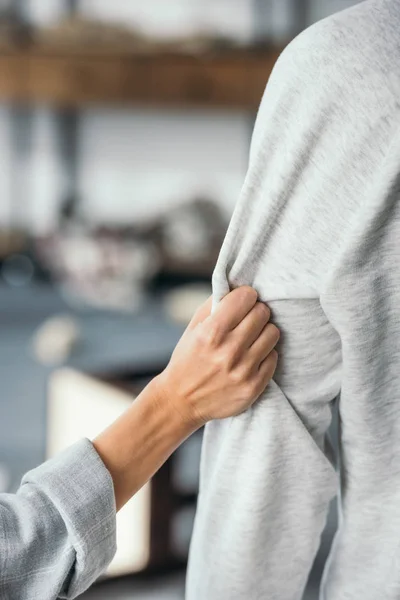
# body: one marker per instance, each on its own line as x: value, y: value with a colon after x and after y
x: 134, y: 163
x: 48, y: 182
x: 320, y: 10
x: 44, y: 12
x: 176, y: 17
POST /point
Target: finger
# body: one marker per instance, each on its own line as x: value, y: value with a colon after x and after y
x: 267, y: 370
x: 250, y: 329
x: 233, y: 308
x: 201, y: 314
x: 265, y: 344
x: 265, y: 374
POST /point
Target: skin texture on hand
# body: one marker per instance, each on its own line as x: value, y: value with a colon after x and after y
x: 223, y: 361
x: 219, y: 368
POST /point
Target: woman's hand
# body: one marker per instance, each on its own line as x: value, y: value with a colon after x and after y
x: 220, y: 367
x: 223, y: 361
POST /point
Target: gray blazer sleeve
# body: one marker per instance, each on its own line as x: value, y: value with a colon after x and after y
x: 58, y: 533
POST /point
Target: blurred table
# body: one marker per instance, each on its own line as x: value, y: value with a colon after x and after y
x: 110, y: 342
x: 168, y: 587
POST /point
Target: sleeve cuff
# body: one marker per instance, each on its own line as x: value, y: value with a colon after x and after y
x: 81, y: 489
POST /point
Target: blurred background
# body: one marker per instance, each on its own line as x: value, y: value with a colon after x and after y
x: 124, y: 135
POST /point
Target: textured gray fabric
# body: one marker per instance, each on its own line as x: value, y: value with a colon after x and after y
x: 58, y: 533
x: 317, y: 233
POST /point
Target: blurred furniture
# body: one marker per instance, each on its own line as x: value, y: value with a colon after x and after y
x: 162, y: 587
x: 11, y: 242
x: 121, y: 348
x: 233, y: 79
x: 111, y: 343
x: 79, y: 63
x: 70, y: 78
x: 115, y: 266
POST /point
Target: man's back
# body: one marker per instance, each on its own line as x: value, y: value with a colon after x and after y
x: 317, y: 233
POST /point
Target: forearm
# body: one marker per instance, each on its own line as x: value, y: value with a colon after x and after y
x: 137, y: 445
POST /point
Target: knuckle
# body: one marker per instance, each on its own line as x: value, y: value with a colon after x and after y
x: 209, y: 334
x: 272, y: 363
x: 245, y: 373
x: 240, y: 375
x: 201, y: 334
x: 213, y: 328
x: 274, y: 359
x: 237, y: 377
x: 274, y: 332
x: 232, y: 350
x: 264, y: 310
x: 224, y: 360
x: 249, y: 391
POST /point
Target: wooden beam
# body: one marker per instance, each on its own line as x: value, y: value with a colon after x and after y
x: 233, y: 80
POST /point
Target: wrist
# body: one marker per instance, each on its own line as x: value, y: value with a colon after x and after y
x: 177, y: 405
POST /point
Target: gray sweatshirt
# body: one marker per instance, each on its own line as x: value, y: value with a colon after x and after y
x: 317, y: 232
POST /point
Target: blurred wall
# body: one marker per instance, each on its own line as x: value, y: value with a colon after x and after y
x: 134, y: 161
x: 5, y: 165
